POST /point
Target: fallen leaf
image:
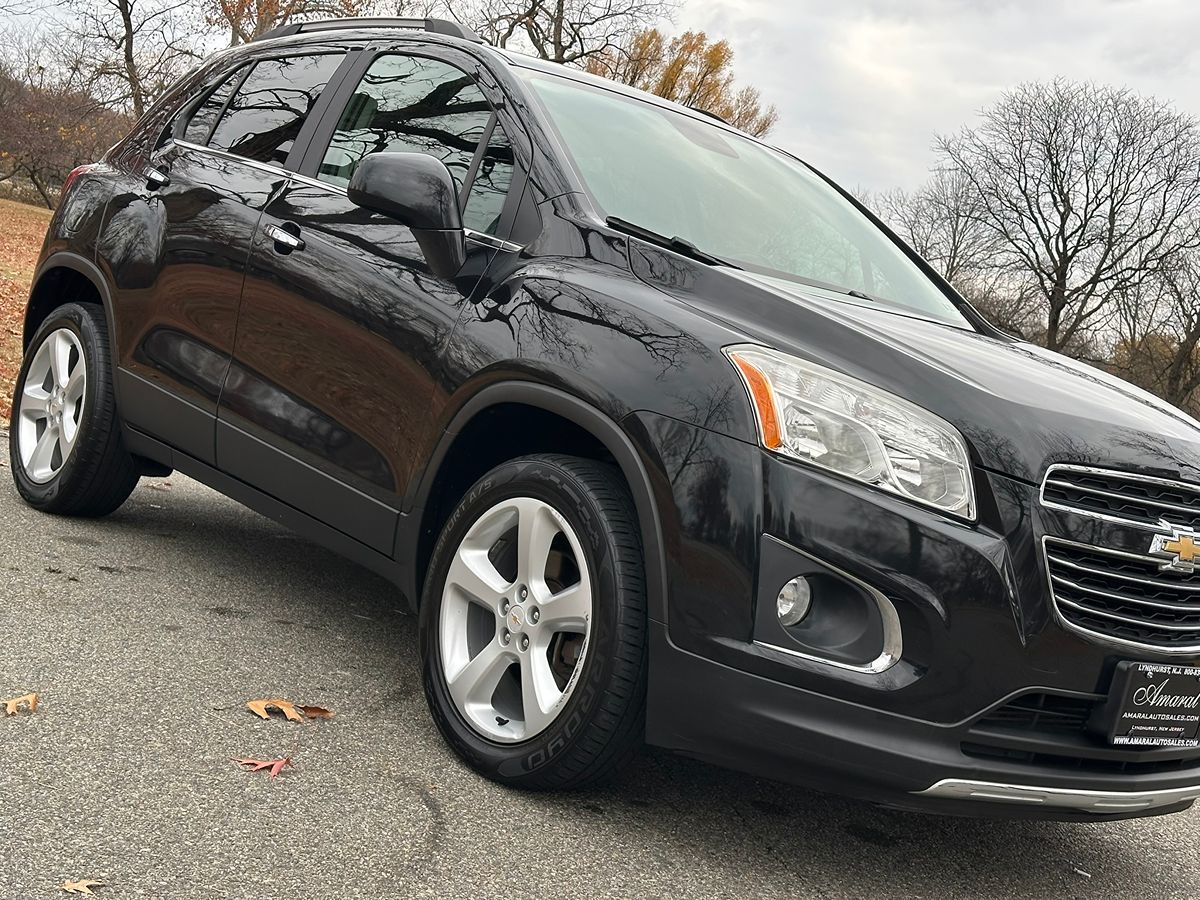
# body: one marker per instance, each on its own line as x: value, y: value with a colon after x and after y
x: 274, y: 766
x: 316, y: 712
x: 287, y: 707
x: 28, y: 700
x: 83, y: 886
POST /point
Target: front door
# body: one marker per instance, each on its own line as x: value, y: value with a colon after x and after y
x: 335, y: 366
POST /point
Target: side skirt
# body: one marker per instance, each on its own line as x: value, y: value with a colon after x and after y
x: 301, y: 523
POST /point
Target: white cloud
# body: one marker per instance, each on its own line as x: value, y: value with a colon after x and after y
x: 862, y: 87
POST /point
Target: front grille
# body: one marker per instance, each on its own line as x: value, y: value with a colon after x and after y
x: 1115, y: 594
x: 1124, y: 596
x: 1137, y: 499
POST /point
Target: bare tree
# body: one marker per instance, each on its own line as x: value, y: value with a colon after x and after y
x: 1089, y: 189
x: 563, y: 31
x: 1158, y: 327
x: 52, y: 122
x: 246, y: 20
x: 689, y: 69
x: 127, y: 51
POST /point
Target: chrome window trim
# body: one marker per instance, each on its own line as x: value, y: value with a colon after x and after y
x: 490, y: 240
x: 1059, y: 798
x: 893, y: 638
x: 1111, y: 473
x: 478, y: 237
x: 1097, y: 636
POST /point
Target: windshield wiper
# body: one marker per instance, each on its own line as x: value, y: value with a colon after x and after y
x: 678, y: 244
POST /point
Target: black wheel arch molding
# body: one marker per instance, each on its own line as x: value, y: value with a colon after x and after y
x: 602, y: 426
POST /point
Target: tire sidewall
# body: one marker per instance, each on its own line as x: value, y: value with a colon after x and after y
x: 543, y: 481
x: 76, y: 319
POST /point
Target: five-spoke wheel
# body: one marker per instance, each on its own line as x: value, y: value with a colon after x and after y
x: 50, y: 405
x: 66, y: 447
x: 515, y: 619
x: 533, y: 624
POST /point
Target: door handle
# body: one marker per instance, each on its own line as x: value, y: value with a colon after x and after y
x: 156, y: 178
x: 285, y: 240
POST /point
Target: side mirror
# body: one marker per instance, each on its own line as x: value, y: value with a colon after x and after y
x: 418, y: 191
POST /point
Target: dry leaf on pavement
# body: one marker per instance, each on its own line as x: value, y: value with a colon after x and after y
x: 316, y: 712
x: 274, y: 766
x: 261, y: 709
x: 29, y: 701
x: 80, y: 887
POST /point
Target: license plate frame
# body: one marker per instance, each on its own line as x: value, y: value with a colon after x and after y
x: 1154, y: 705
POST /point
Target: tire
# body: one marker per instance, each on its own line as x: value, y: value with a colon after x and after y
x: 596, y: 724
x: 96, y: 474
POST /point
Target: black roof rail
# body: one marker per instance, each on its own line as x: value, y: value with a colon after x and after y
x: 710, y: 114
x: 436, y: 26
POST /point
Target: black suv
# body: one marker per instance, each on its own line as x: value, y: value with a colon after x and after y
x: 664, y: 435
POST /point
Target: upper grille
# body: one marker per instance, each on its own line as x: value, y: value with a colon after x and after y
x: 1124, y: 596
x: 1137, y: 499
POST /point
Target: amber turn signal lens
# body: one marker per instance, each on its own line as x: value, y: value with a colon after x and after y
x: 764, y: 402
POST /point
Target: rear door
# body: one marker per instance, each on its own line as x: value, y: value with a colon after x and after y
x: 335, y: 372
x: 178, y: 237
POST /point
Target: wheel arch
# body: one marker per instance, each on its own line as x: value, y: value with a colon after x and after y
x: 50, y: 274
x: 588, y: 422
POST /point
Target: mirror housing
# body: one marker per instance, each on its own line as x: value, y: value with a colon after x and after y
x: 418, y: 191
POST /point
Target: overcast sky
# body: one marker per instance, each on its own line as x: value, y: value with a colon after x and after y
x: 863, y: 85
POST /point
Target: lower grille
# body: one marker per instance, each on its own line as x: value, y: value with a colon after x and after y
x: 1044, y: 713
x: 1051, y: 730
x: 1124, y: 596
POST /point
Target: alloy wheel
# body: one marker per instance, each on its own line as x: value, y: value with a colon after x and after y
x: 51, y: 405
x: 515, y: 619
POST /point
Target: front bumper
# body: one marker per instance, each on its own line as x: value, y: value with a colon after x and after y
x: 735, y: 719
x: 934, y: 730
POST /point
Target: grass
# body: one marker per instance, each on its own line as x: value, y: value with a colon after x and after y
x: 22, y: 229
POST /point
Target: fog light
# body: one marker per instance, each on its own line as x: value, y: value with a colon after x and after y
x: 794, y: 601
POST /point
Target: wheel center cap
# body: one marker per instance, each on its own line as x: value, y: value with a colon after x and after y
x: 516, y: 619
x: 56, y: 405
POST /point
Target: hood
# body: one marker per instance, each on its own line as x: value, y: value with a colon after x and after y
x: 1020, y: 407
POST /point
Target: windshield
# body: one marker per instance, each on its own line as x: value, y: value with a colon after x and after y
x: 732, y: 197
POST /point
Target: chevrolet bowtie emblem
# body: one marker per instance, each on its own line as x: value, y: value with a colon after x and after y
x: 1179, y: 548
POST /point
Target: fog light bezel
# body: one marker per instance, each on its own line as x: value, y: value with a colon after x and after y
x: 779, y: 563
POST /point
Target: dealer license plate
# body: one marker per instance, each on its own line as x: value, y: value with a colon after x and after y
x: 1156, y: 705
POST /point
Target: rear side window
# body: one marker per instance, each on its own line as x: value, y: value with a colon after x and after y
x: 266, y: 114
x: 410, y: 104
x: 205, y: 117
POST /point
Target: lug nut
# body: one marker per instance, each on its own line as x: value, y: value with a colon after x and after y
x: 504, y: 605
x: 534, y: 615
x: 505, y: 636
x: 524, y: 593
x: 524, y: 642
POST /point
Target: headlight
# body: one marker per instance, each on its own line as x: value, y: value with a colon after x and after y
x: 822, y: 417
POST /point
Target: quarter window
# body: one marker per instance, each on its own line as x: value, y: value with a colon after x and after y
x: 266, y: 115
x: 418, y: 105
x: 205, y: 117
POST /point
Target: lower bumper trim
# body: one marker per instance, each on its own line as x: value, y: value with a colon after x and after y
x: 1059, y: 798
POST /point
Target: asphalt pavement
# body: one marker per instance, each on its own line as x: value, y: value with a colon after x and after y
x: 145, y: 633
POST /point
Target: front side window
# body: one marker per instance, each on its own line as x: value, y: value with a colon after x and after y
x: 731, y: 196
x: 266, y: 115
x: 417, y: 105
